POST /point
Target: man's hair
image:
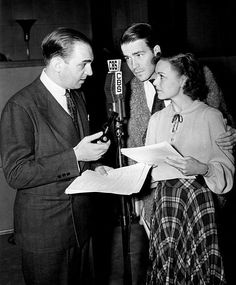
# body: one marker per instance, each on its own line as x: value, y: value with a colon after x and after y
x: 139, y: 31
x: 61, y: 42
x: 187, y: 64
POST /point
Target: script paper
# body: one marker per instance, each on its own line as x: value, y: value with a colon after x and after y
x: 155, y: 155
x: 151, y: 154
x: 124, y: 181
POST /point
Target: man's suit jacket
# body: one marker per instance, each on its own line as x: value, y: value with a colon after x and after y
x: 138, y: 113
x: 37, y: 140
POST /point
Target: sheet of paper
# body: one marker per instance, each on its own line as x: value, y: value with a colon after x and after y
x: 155, y: 155
x: 165, y: 172
x: 151, y: 154
x: 123, y: 181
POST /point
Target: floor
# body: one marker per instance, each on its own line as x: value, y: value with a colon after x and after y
x: 110, y: 274
x: 10, y: 273
x: 111, y: 253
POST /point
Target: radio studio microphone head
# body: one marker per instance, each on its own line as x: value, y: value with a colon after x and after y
x: 114, y: 86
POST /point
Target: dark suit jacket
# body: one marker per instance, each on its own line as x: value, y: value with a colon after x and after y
x: 37, y: 140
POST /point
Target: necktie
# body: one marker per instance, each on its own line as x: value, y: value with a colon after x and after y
x: 158, y: 104
x: 72, y: 108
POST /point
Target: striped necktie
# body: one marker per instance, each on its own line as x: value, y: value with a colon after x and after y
x: 72, y: 108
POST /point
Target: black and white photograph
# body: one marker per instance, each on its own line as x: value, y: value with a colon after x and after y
x: 117, y: 142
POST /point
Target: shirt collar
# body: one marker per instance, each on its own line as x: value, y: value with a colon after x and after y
x: 52, y: 87
x: 150, y: 92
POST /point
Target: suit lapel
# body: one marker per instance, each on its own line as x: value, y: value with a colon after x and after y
x: 55, y: 115
x: 82, y: 115
x: 140, y: 111
x: 82, y: 118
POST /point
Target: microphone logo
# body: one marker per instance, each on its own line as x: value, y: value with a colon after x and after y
x: 114, y: 85
x: 114, y: 65
x: 118, y: 83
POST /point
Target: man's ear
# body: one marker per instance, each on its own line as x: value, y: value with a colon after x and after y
x: 57, y: 63
x: 156, y: 50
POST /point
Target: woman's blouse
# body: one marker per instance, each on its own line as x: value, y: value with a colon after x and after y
x: 193, y: 132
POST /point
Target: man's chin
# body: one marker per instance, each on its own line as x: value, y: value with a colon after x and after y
x: 79, y: 85
x: 142, y: 78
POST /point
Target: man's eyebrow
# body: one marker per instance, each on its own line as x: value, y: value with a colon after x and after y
x: 137, y: 52
x: 134, y: 53
x: 87, y: 61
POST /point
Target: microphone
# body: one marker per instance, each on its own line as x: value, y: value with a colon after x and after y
x: 114, y: 88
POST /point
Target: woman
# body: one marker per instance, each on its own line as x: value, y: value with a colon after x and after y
x: 183, y: 236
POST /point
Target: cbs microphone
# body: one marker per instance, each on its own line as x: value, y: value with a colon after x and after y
x: 114, y: 88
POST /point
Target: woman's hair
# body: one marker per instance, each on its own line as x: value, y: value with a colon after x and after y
x: 187, y: 64
x: 61, y: 43
x: 139, y: 31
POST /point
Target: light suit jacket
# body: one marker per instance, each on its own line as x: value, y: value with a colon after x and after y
x: 37, y: 140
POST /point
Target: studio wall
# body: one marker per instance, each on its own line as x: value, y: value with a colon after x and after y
x: 48, y: 14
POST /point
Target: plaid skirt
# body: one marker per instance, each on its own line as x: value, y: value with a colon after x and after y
x: 183, y: 239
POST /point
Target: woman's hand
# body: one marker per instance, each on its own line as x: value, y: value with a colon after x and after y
x: 188, y: 165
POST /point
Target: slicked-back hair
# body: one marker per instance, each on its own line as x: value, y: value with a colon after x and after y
x: 187, y: 64
x: 61, y: 42
x: 139, y: 31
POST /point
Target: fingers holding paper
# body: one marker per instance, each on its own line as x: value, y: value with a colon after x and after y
x: 188, y: 165
x: 103, y: 169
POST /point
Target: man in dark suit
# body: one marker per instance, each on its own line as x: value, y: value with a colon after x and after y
x: 45, y: 144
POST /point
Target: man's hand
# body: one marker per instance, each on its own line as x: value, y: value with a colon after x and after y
x: 227, y: 140
x: 87, y: 150
x: 103, y: 169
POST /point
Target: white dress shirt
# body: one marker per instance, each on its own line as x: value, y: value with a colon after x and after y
x: 57, y: 91
x: 150, y: 92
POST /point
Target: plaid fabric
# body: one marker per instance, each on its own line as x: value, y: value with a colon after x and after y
x: 183, y: 239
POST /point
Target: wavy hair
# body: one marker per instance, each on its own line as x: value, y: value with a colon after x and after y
x: 61, y: 43
x: 187, y: 64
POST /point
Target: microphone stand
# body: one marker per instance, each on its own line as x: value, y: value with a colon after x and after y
x: 118, y: 106
x: 125, y: 213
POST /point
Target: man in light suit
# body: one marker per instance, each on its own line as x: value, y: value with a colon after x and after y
x: 43, y: 150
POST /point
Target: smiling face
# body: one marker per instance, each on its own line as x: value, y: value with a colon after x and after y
x: 139, y: 58
x: 75, y: 69
x: 168, y: 82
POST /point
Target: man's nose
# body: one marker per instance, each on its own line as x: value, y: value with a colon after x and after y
x: 89, y: 70
x: 135, y: 64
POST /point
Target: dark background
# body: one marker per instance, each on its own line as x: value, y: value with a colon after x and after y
x: 204, y: 27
